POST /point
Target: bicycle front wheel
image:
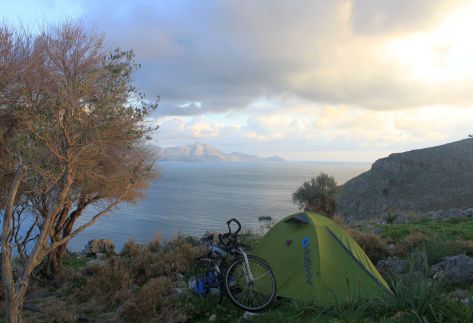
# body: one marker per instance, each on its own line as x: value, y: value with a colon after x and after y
x: 253, y: 291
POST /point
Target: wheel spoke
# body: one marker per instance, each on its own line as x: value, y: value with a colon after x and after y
x: 256, y: 294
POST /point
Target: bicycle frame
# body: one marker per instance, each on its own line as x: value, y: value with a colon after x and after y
x: 223, y: 258
x: 246, y: 268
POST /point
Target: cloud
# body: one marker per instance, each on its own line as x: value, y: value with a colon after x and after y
x: 299, y: 78
x: 228, y: 54
x: 303, y: 130
x: 386, y: 16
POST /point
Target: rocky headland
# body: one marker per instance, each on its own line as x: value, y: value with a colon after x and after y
x: 435, y: 182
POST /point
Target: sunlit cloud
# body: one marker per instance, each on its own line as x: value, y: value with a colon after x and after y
x: 340, y: 79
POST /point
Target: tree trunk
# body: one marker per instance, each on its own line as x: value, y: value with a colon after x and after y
x: 13, y: 304
x: 13, y: 312
x: 54, y: 264
x: 56, y: 256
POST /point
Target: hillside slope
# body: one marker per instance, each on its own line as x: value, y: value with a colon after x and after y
x: 422, y: 180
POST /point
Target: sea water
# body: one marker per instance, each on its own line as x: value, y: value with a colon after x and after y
x: 192, y: 197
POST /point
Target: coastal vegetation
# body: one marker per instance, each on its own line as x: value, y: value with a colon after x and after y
x: 318, y: 195
x: 72, y: 138
x: 74, y: 141
x: 149, y: 282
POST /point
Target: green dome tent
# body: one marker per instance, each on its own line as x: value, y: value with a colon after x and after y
x: 313, y: 258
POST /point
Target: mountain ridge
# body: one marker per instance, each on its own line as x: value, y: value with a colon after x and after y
x: 199, y: 152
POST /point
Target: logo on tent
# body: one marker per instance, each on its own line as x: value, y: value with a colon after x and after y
x: 305, y: 242
x: 307, y: 261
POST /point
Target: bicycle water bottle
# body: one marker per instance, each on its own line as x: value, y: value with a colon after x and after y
x: 217, y: 252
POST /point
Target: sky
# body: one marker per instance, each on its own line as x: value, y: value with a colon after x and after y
x: 338, y: 80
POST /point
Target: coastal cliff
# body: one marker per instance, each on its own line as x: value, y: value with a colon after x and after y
x: 417, y: 181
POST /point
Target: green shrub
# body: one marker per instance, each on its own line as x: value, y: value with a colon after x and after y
x: 390, y: 218
x: 317, y: 195
x: 416, y: 297
x: 451, y: 229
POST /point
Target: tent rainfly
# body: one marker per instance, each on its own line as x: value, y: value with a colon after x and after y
x: 315, y: 259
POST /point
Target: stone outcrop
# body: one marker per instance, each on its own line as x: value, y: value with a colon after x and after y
x: 413, y: 182
x: 392, y: 266
x: 99, y: 246
x: 456, y: 269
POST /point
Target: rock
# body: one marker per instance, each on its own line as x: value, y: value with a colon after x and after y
x: 456, y: 269
x: 248, y: 316
x: 417, y: 181
x: 402, y: 218
x: 376, y: 230
x: 97, y: 262
x: 433, y: 215
x: 102, y: 246
x: 179, y: 291
x: 451, y: 214
x: 213, y: 318
x: 264, y: 218
x: 391, y: 247
x: 179, y: 281
x: 100, y: 255
x: 392, y: 266
x: 459, y: 294
x: 468, y: 213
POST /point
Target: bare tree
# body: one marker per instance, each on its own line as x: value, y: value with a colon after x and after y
x: 82, y: 141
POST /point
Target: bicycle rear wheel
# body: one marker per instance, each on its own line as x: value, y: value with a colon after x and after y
x: 248, y: 295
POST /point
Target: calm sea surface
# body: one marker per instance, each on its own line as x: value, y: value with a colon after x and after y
x: 191, y: 198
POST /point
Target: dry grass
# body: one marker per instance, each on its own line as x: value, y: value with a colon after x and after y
x: 155, y: 244
x: 467, y: 245
x: 156, y: 259
x: 59, y: 312
x: 413, y: 241
x: 108, y: 285
x: 153, y: 303
x: 137, y: 283
x: 130, y: 249
x: 373, y: 245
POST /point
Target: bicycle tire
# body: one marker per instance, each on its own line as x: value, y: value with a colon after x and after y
x: 260, y: 269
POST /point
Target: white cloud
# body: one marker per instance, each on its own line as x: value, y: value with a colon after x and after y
x: 303, y: 79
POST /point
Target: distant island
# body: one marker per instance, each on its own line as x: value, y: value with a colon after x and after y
x: 199, y: 152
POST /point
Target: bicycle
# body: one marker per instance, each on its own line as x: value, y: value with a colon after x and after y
x: 247, y: 280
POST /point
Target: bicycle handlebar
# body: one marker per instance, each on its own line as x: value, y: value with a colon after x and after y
x: 221, y: 237
x: 230, y: 229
